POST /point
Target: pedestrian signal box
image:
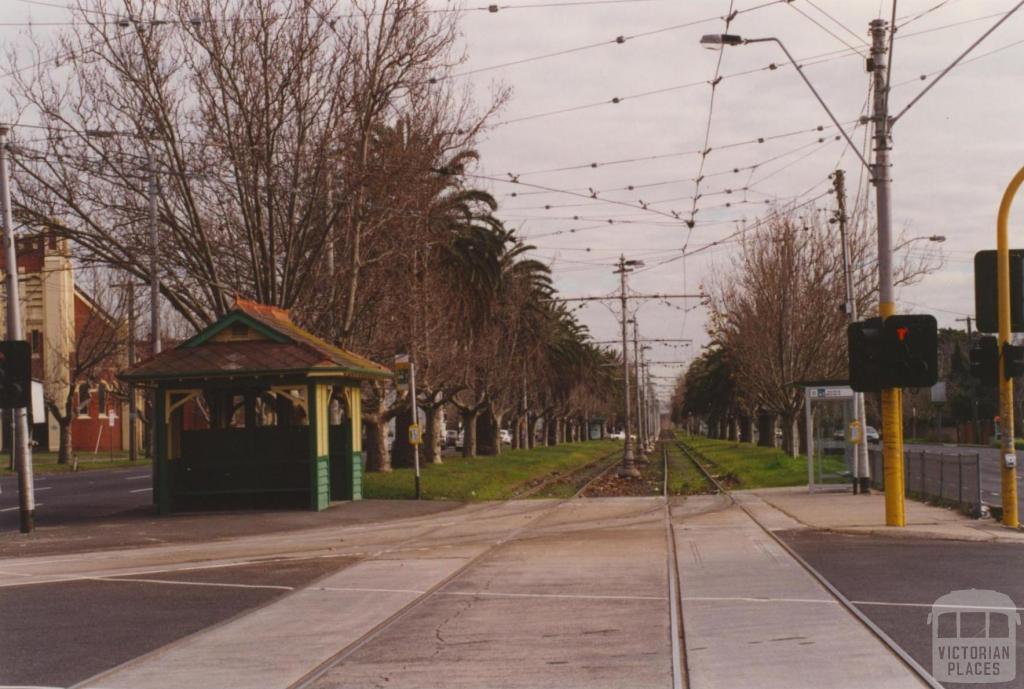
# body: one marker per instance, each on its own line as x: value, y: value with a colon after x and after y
x: 15, y: 374
x: 902, y: 352
x: 984, y: 357
x: 986, y: 296
x: 912, y: 351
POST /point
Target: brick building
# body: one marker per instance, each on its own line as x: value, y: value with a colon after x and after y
x: 54, y: 314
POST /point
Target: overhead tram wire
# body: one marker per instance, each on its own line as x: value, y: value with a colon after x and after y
x: 705, y: 150
x: 825, y: 28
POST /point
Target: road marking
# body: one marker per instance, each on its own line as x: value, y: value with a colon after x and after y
x: 194, y: 583
x: 140, y: 490
x: 136, y: 478
x: 11, y: 509
x: 44, y: 488
x: 929, y: 605
x: 744, y: 599
x: 568, y: 596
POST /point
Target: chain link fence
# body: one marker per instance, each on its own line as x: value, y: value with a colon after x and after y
x: 946, y: 477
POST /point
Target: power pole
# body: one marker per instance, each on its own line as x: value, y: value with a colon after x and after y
x: 641, y: 439
x: 133, y: 407
x: 892, y: 407
x: 154, y: 260
x: 22, y: 450
x: 861, y: 466
x: 628, y: 468
x: 968, y: 321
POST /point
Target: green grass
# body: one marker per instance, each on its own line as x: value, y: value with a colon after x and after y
x: 485, y: 478
x: 684, y: 478
x: 750, y: 466
x: 46, y: 462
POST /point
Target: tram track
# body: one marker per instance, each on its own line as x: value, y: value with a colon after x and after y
x: 914, y: 666
x: 518, y: 534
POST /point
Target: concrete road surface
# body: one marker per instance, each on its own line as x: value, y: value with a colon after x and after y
x: 530, y: 594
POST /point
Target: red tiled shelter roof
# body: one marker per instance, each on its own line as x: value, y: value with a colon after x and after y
x: 283, y: 349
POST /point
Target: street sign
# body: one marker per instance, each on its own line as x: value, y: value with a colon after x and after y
x: 111, y: 418
x: 830, y: 392
x: 415, y: 435
x: 402, y: 368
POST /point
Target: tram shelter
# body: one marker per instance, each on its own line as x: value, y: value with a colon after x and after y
x: 255, y: 411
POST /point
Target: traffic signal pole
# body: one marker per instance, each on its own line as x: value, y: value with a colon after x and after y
x: 1008, y: 453
x: 22, y: 451
x: 892, y: 407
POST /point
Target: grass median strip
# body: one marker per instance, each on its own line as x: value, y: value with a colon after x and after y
x: 744, y: 465
x: 46, y: 463
x: 486, y: 478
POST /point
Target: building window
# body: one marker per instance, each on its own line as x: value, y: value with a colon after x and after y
x: 36, y: 339
x: 102, y: 399
x: 84, y: 397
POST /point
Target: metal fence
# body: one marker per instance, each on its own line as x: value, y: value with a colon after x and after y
x: 953, y: 478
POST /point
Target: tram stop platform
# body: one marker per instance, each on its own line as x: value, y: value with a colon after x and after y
x: 844, y: 512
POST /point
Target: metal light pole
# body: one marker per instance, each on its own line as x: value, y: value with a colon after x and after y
x: 20, y: 441
x: 861, y: 466
x: 415, y: 423
x: 628, y: 468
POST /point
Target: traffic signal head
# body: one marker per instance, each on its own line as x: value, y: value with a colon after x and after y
x: 985, y: 360
x: 986, y: 295
x: 1013, y: 361
x: 864, y: 341
x: 15, y: 374
x: 911, y: 351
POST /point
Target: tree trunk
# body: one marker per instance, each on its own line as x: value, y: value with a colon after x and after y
x: 551, y: 431
x: 401, y: 450
x: 746, y: 429
x: 433, y: 440
x: 487, y: 440
x: 378, y: 457
x: 64, y: 449
x: 802, y: 432
x: 733, y: 429
x: 469, y: 420
x: 531, y: 428
x: 517, y: 432
x: 766, y: 429
x: 789, y: 444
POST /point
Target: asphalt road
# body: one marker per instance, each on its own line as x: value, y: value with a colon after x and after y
x: 991, y: 490
x: 61, y: 634
x: 894, y: 581
x: 80, y: 496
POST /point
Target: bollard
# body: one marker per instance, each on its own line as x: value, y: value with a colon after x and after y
x: 923, y: 492
x: 977, y: 478
x: 942, y: 475
x: 960, y: 479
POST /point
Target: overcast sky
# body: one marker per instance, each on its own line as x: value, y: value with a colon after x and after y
x: 954, y: 152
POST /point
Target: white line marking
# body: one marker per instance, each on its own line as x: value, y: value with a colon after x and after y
x: 929, y: 605
x: 11, y: 509
x: 194, y: 583
x: 569, y: 596
x: 355, y: 589
x: 744, y: 599
x: 136, y: 478
x: 44, y: 488
x: 140, y: 490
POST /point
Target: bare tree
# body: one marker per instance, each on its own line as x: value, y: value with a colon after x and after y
x: 97, y: 354
x: 776, y: 311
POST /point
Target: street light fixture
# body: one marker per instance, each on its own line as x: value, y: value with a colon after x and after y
x: 936, y: 238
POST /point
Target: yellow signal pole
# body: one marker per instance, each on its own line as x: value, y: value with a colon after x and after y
x: 1008, y: 455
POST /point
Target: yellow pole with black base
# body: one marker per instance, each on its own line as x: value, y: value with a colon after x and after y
x: 1008, y: 454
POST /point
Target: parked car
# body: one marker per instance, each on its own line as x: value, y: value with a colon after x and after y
x: 505, y: 436
x: 872, y: 434
x: 460, y: 440
x: 617, y: 435
x: 451, y: 437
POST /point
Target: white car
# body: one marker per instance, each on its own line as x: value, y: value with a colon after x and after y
x: 617, y: 435
x: 505, y: 436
